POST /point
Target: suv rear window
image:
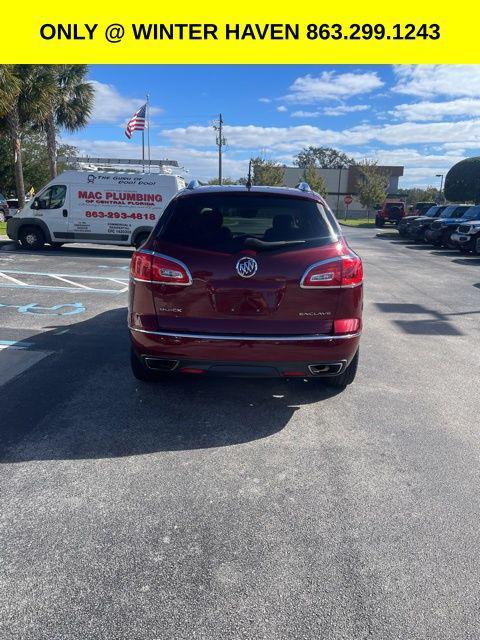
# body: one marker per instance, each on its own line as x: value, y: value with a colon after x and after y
x: 231, y: 221
x: 391, y: 206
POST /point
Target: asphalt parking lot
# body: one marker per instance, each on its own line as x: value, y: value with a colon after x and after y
x: 256, y: 509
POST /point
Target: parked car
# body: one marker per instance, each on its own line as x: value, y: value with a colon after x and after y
x: 466, y: 236
x: 419, y: 227
x: 3, y: 208
x: 13, y: 207
x: 440, y: 231
x: 415, y: 228
x: 246, y: 282
x: 392, y: 211
x: 404, y: 224
x: 421, y: 208
x: 96, y: 207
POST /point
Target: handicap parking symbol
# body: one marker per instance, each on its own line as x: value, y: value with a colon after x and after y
x: 68, y: 309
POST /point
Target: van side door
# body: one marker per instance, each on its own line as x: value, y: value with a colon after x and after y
x: 52, y: 206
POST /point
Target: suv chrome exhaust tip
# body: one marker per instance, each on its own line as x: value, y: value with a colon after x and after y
x: 328, y: 368
x: 160, y: 364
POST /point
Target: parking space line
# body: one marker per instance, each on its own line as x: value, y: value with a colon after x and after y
x: 76, y: 284
x: 42, y: 287
x: 68, y: 278
x: 62, y: 275
x: 4, y: 275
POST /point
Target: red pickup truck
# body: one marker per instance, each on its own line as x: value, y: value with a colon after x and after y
x: 391, y: 211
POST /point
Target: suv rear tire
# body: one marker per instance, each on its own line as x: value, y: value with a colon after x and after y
x: 140, y: 371
x: 347, y: 377
x: 31, y: 238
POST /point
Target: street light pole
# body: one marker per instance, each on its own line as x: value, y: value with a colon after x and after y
x: 220, y: 143
x: 440, y: 175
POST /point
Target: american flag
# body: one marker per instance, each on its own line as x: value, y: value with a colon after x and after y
x: 136, y: 122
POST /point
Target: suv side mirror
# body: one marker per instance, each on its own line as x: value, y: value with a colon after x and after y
x: 34, y: 204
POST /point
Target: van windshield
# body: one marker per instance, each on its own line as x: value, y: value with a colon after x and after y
x: 229, y: 222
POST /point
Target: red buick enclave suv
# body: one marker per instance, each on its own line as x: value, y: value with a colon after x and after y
x: 246, y: 281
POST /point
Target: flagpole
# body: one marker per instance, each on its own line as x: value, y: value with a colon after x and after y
x: 143, y: 151
x: 148, y: 131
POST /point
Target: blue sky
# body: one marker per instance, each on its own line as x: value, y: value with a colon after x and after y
x: 425, y: 117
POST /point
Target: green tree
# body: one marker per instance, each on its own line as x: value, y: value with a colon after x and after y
x: 25, y: 93
x: 226, y: 181
x: 322, y: 157
x: 35, y: 165
x: 317, y: 182
x: 462, y: 182
x: 372, y: 185
x: 419, y: 194
x: 70, y: 105
x: 267, y: 172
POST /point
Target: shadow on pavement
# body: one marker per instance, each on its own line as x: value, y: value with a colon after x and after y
x: 474, y: 260
x: 435, y: 323
x: 83, y: 402
x: 71, y: 251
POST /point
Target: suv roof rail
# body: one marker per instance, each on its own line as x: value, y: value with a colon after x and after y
x: 193, y: 184
x: 303, y: 186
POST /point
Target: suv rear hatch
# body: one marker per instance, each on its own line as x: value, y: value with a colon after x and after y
x: 246, y: 253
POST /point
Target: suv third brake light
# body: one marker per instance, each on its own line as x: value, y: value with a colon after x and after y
x: 334, y: 273
x: 157, y: 268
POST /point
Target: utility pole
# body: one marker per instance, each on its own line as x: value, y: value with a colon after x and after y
x: 220, y: 142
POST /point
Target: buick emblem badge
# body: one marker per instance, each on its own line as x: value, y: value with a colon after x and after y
x: 247, y: 267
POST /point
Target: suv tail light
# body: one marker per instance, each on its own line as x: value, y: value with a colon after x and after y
x: 334, y: 273
x: 346, y: 325
x: 147, y: 266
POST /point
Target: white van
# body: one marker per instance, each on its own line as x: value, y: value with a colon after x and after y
x: 101, y: 208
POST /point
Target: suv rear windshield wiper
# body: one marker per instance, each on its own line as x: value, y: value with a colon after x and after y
x: 255, y: 243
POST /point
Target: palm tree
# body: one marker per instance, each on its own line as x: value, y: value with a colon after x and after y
x: 25, y: 93
x: 70, y: 106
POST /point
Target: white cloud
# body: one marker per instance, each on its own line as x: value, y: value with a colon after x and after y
x: 438, y: 80
x: 421, y: 169
x: 437, y: 110
x: 253, y: 137
x: 290, y: 139
x: 414, y: 159
x: 282, y: 109
x: 330, y: 85
x: 305, y: 114
x: 339, y: 110
x: 342, y: 109
x: 451, y: 147
x: 110, y: 106
x: 266, y: 100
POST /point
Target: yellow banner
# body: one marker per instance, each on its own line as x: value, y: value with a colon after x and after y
x: 245, y: 32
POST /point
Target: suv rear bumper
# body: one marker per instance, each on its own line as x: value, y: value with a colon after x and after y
x: 247, y: 355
